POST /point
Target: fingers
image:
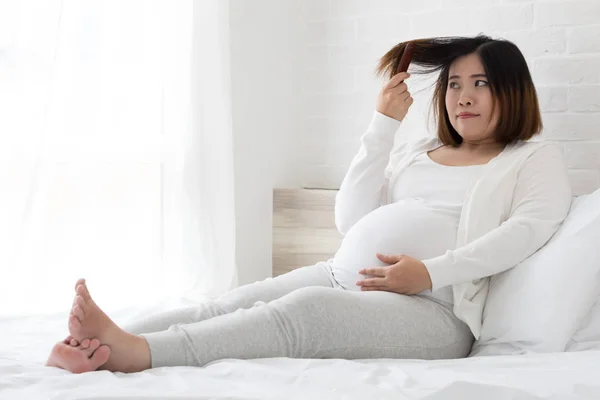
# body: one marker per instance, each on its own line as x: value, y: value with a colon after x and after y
x: 375, y: 271
x: 392, y: 259
x: 372, y: 282
x: 399, y: 89
x: 371, y: 288
x: 396, y: 80
x: 405, y: 96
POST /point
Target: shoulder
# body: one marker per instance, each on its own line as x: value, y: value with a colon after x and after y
x: 542, y: 176
x: 427, y: 142
x: 531, y: 163
x: 543, y: 162
x: 409, y: 147
x: 527, y: 153
x: 529, y: 147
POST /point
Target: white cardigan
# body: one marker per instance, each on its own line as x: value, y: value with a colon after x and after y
x: 512, y: 210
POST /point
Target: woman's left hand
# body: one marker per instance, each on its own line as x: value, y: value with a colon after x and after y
x: 406, y: 276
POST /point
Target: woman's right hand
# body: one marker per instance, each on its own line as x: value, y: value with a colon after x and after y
x: 394, y: 99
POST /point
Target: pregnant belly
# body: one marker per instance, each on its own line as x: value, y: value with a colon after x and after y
x: 410, y: 227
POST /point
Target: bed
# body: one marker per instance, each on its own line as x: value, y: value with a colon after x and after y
x: 303, y: 234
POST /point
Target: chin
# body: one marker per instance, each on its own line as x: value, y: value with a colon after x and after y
x: 471, y: 137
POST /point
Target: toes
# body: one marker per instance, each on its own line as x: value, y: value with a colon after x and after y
x: 74, y: 324
x: 88, y: 296
x: 80, y: 301
x: 87, y: 292
x: 100, y: 357
x: 83, y: 291
x: 70, y: 341
x: 78, y: 312
x: 78, y: 308
x: 85, y: 344
x: 79, y: 282
x: 93, y: 346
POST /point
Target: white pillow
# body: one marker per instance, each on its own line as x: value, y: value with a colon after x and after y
x: 538, y: 305
x: 587, y: 337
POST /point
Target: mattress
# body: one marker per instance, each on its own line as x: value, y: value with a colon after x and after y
x: 26, y: 342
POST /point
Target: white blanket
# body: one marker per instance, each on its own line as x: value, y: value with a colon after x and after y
x: 26, y: 342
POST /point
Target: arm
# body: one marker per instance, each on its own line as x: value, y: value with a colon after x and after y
x: 361, y: 189
x: 541, y: 201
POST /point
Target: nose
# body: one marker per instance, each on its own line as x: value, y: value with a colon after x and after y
x: 464, y: 98
x: 463, y: 101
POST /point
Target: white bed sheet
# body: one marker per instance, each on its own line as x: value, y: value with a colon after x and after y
x: 26, y: 342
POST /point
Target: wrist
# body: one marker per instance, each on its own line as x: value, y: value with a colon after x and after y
x: 429, y: 282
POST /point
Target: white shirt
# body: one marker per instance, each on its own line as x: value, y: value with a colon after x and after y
x: 518, y: 202
x: 441, y: 189
x: 436, y: 183
x: 422, y: 222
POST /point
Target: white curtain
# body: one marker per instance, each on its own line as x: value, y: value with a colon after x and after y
x: 116, y: 159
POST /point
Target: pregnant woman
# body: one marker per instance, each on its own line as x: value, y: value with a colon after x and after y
x: 425, y: 225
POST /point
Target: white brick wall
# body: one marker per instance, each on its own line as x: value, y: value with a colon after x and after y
x: 345, y: 38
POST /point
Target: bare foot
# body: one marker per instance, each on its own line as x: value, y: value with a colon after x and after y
x: 85, y: 357
x: 87, y: 319
x: 129, y: 352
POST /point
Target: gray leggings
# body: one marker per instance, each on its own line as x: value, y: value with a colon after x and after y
x: 305, y: 314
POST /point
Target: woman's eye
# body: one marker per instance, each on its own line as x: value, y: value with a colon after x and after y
x: 479, y: 80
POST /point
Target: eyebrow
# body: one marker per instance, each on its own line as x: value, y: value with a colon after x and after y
x: 472, y: 76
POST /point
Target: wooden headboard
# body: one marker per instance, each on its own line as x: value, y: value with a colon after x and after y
x: 304, y: 231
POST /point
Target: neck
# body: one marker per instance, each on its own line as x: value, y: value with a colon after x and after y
x: 481, y: 147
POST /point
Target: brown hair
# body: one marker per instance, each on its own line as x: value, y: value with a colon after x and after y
x: 508, y: 78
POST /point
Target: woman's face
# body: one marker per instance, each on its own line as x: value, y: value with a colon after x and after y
x: 468, y: 92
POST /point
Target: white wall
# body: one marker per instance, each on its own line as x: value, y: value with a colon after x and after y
x: 304, y: 89
x: 266, y: 38
x: 560, y: 40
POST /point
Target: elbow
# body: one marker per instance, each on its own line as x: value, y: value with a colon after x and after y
x: 341, y: 223
x: 342, y: 215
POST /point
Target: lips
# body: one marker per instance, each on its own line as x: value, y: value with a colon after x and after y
x: 467, y: 115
